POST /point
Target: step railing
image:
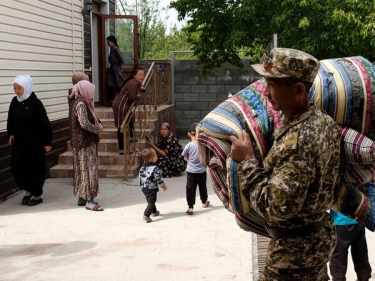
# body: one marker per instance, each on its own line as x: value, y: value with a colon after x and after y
x: 157, y: 83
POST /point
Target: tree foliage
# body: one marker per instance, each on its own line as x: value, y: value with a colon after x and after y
x: 323, y: 28
x: 154, y: 42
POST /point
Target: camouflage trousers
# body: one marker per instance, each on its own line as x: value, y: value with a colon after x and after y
x: 302, y: 258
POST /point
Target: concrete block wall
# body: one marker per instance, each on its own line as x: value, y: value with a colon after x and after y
x: 195, y: 96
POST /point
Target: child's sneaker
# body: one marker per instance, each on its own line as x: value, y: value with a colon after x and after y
x: 155, y: 214
x: 147, y: 219
x: 205, y: 205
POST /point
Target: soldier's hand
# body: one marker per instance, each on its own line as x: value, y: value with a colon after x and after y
x: 241, y: 150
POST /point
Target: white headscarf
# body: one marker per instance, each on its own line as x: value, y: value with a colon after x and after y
x: 27, y: 83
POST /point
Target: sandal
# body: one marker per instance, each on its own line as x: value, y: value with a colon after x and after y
x: 92, y: 207
x: 189, y: 213
x: 205, y: 205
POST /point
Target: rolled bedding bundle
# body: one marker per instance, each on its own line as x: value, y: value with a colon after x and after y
x: 345, y: 89
x: 248, y: 110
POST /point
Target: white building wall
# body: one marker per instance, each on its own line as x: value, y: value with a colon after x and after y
x: 44, y: 39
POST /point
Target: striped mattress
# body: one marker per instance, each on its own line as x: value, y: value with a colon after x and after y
x: 343, y: 88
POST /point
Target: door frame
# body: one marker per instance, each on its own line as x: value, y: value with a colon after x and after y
x: 95, y: 56
x: 102, y: 47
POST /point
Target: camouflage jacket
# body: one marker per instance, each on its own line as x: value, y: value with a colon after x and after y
x: 295, y: 184
x: 294, y: 187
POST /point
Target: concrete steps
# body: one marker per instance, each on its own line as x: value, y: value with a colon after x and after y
x: 111, y: 163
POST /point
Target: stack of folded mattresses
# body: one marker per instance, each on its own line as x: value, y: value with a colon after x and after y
x: 345, y: 89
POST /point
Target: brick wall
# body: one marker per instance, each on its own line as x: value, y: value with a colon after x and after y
x: 194, y: 96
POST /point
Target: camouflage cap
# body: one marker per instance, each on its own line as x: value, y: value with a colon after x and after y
x: 284, y: 62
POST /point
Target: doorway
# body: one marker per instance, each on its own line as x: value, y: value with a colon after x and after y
x: 95, y: 55
x: 124, y: 28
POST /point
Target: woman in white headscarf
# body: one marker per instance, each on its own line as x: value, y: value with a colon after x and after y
x: 84, y: 137
x: 30, y: 136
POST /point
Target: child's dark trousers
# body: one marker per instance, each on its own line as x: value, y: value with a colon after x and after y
x: 151, y: 200
x: 352, y: 236
x: 194, y: 179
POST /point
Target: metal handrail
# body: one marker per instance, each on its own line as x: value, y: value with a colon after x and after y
x: 145, y: 106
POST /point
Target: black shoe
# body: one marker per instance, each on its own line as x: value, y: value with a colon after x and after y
x: 34, y: 202
x: 155, y: 214
x: 147, y: 219
x: 81, y: 201
x: 26, y: 199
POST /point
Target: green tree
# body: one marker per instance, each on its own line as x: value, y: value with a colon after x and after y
x: 175, y: 40
x: 153, y: 40
x: 150, y: 26
x: 326, y: 29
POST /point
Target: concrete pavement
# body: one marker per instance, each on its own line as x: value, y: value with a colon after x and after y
x: 57, y: 240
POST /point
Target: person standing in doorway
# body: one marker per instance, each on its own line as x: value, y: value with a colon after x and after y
x: 116, y: 76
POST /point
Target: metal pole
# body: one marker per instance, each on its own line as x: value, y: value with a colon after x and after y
x: 254, y: 251
x: 275, y: 40
x: 172, y: 77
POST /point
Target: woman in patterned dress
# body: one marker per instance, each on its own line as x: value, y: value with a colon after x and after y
x: 84, y: 137
x: 76, y: 77
x: 170, y: 160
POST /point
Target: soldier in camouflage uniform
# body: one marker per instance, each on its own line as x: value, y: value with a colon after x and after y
x: 294, y: 186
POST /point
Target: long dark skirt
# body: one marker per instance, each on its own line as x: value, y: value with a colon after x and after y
x: 28, y: 166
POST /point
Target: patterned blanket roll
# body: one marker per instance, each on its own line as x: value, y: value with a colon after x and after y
x: 344, y: 88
